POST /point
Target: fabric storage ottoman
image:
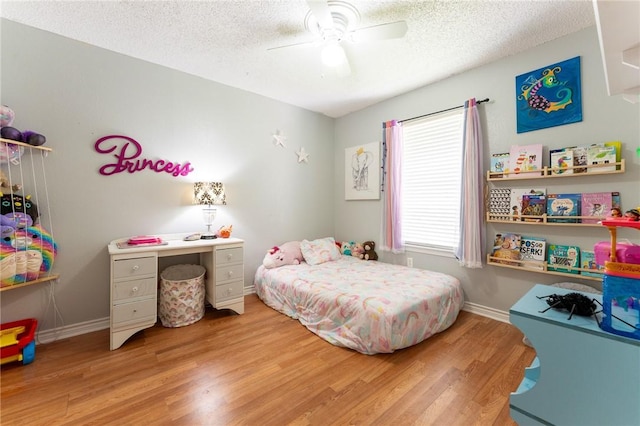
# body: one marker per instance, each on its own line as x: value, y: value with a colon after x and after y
x: 181, y: 298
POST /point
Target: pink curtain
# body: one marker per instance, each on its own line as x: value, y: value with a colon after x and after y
x: 472, y: 234
x: 391, y: 187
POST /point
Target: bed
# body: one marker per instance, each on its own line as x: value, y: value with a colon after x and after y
x: 371, y: 307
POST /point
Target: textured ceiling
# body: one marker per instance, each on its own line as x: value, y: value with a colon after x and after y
x: 227, y: 41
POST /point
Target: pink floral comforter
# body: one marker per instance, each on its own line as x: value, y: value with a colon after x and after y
x: 372, y: 307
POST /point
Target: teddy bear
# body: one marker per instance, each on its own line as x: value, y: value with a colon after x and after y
x: 369, y: 250
x: 5, y: 185
x: 288, y: 253
x: 347, y: 247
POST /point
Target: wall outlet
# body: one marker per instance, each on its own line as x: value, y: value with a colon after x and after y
x: 410, y: 262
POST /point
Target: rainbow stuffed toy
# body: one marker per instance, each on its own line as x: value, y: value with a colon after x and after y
x: 25, y: 255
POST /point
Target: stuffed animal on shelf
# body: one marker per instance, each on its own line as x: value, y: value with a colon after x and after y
x: 10, y: 203
x: 5, y: 185
x: 288, y: 253
x: 369, y: 250
x: 25, y: 255
x: 7, y: 132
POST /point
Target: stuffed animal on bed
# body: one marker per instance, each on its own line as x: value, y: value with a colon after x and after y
x: 285, y: 254
x: 347, y: 247
x: 25, y: 255
x: 358, y: 251
x: 369, y: 250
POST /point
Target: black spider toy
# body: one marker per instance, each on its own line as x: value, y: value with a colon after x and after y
x: 575, y: 303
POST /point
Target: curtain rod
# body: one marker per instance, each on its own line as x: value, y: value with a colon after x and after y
x: 438, y: 112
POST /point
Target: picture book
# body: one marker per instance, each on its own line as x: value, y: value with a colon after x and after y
x: 618, y: 146
x: 523, y: 159
x: 563, y: 258
x: 532, y: 252
x: 615, y: 200
x: 533, y: 205
x: 601, y: 154
x: 507, y: 246
x: 499, y: 203
x: 595, y: 204
x: 515, y: 207
x: 560, y: 207
x: 588, y: 261
x: 500, y: 163
x: 560, y: 160
x: 579, y: 159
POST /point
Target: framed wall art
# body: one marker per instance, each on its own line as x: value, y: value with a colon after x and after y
x: 362, y: 172
x: 549, y: 96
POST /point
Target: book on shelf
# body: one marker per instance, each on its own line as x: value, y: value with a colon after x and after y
x: 533, y: 205
x: 500, y: 163
x: 560, y: 160
x: 595, y: 204
x: 615, y: 200
x: 579, y: 159
x: 524, y: 158
x: 618, y: 146
x: 560, y: 207
x: 588, y: 261
x: 499, y: 203
x: 532, y: 252
x: 563, y: 258
x: 515, y: 206
x: 601, y: 154
x: 507, y: 246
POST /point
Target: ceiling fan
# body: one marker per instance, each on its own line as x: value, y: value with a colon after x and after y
x: 332, y: 22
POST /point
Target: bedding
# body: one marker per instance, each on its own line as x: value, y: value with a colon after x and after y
x: 371, y: 307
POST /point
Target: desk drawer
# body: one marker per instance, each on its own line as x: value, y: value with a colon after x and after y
x: 228, y: 291
x: 226, y: 273
x: 134, y: 311
x: 228, y: 256
x: 131, y: 268
x: 124, y: 290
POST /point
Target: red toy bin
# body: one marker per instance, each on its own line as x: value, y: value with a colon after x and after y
x: 18, y: 341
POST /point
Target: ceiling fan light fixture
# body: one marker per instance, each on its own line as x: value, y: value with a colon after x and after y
x: 333, y: 55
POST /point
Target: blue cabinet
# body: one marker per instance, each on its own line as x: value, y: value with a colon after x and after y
x: 581, y: 376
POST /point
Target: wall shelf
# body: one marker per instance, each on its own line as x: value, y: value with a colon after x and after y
x: 548, y: 172
x: 544, y: 220
x: 540, y: 267
x: 26, y: 145
x: 42, y: 279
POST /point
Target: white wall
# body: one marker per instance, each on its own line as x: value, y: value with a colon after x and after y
x: 74, y: 94
x: 604, y: 118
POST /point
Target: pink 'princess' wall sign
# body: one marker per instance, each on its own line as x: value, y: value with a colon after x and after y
x: 127, y: 155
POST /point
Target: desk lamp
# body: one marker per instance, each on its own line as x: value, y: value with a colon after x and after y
x: 208, y: 194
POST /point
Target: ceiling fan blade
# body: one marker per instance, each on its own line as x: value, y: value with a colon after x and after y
x: 322, y: 13
x: 301, y: 44
x: 380, y: 32
x: 344, y: 69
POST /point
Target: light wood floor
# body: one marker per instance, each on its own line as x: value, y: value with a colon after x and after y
x: 263, y: 368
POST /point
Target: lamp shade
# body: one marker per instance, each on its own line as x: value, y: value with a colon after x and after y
x: 208, y: 193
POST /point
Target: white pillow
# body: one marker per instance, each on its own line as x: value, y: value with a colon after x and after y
x: 320, y: 250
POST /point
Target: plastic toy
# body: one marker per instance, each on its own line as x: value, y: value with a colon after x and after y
x: 17, y: 341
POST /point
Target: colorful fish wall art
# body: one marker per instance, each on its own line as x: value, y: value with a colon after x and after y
x: 549, y: 96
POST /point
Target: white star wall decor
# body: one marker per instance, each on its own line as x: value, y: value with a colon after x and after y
x: 279, y: 139
x: 302, y: 155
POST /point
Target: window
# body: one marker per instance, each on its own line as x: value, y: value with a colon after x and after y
x: 431, y: 179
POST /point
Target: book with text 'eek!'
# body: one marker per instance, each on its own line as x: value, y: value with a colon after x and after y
x: 596, y: 204
x: 533, y: 205
x: 560, y: 207
x: 533, y: 252
x: 563, y: 258
x: 507, y: 246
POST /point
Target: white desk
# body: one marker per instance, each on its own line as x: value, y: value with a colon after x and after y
x: 134, y: 279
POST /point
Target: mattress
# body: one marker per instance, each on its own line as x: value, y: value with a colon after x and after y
x: 371, y: 307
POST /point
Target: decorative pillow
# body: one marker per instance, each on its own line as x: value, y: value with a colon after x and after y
x: 320, y: 250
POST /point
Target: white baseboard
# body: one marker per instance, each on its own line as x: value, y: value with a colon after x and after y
x: 485, y: 311
x: 48, y: 336
x: 51, y: 335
